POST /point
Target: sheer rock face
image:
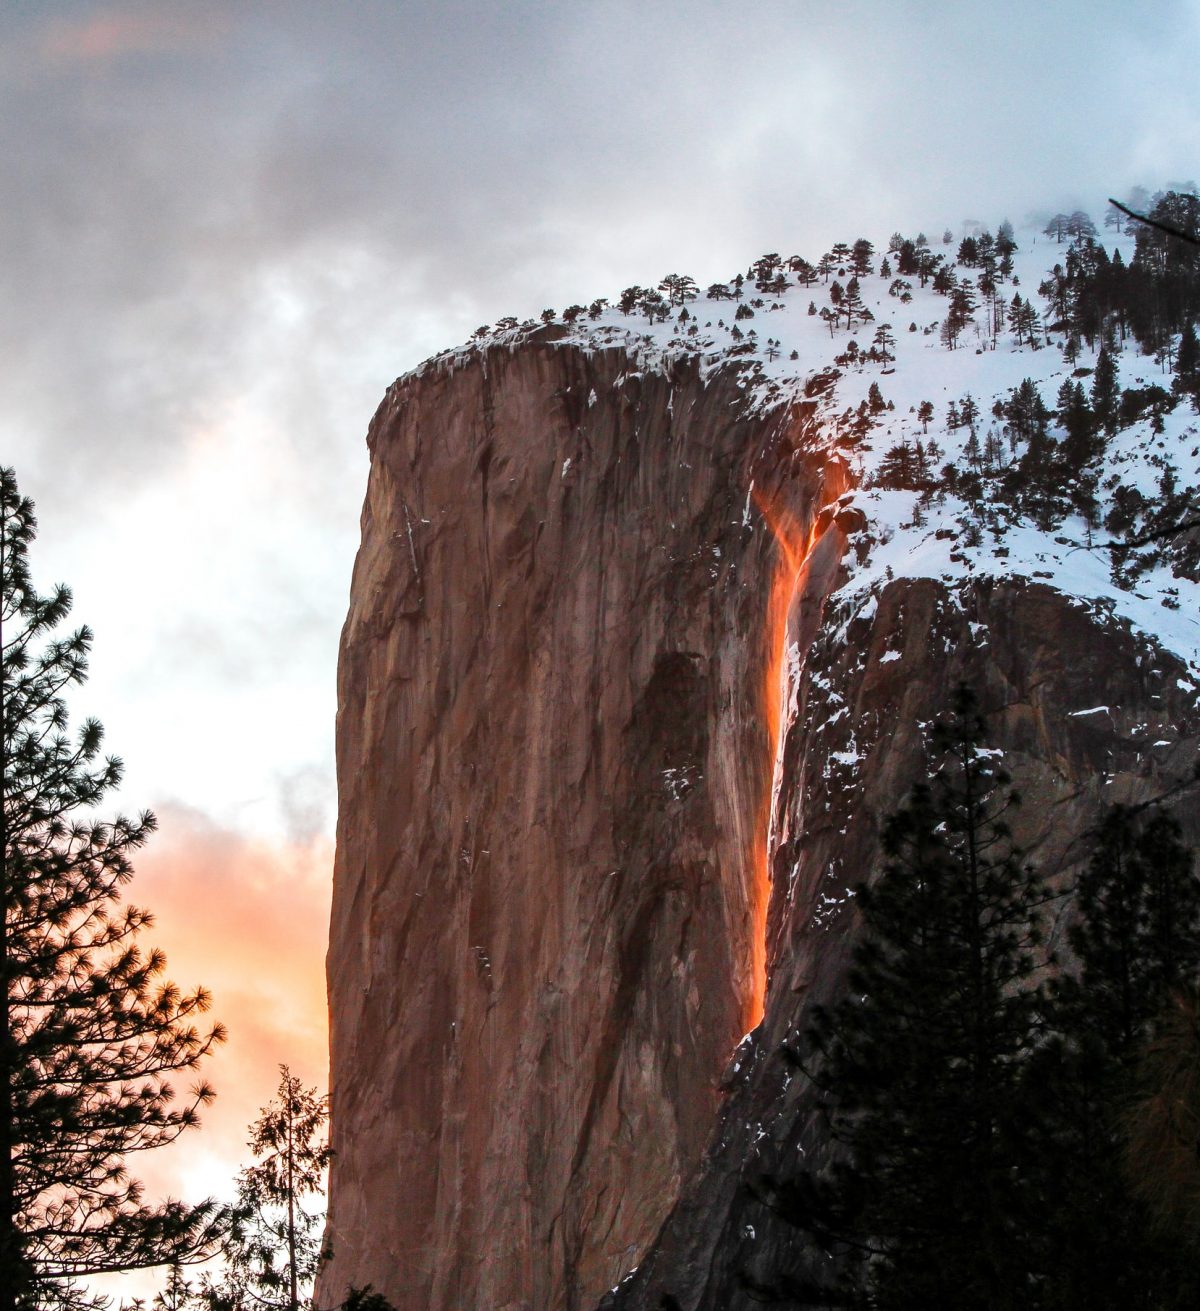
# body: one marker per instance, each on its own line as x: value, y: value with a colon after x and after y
x: 554, y: 774
x: 553, y: 770
x: 1085, y: 714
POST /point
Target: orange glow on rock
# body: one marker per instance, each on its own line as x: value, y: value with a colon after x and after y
x: 794, y: 542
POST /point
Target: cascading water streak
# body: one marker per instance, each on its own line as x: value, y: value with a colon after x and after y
x: 794, y: 542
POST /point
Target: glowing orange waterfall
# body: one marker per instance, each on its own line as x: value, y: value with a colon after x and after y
x: 793, y: 542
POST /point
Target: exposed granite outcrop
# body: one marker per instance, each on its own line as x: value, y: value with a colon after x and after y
x: 553, y: 770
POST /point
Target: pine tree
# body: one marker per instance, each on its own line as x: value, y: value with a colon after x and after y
x: 764, y: 268
x: 897, y: 468
x: 90, y: 1034
x: 1162, y: 1129
x: 1187, y: 366
x: 1026, y: 412
x: 945, y: 280
x: 1138, y: 933
x: 973, y: 452
x: 631, y: 298
x: 1038, y: 479
x: 678, y: 287
x: 1136, y: 936
x: 654, y: 306
x: 968, y: 412
x: 275, y: 1246
x: 920, y: 1065
x: 176, y: 1294
x: 860, y: 257
x: 927, y: 265
x: 852, y: 304
x: 1016, y: 317
x: 1106, y: 393
x: 993, y: 452
x: 1080, y: 226
x: 1075, y: 416
x: 885, y: 343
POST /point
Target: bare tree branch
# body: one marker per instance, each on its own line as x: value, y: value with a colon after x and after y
x: 1189, y: 237
x: 1171, y: 530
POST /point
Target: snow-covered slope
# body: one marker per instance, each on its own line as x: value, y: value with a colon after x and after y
x: 785, y: 343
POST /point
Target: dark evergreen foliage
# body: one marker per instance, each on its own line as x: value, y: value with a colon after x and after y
x: 1155, y: 297
x: 1136, y: 937
x: 920, y: 1066
x: 678, y: 288
x: 91, y: 1035
x: 1106, y: 392
x: 852, y: 305
x: 1187, y: 366
x: 861, y: 255
x: 905, y: 467
x: 993, y: 1129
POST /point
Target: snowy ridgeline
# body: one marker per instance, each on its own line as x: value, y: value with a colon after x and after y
x: 954, y: 477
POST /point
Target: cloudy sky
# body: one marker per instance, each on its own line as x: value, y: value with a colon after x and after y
x: 226, y: 227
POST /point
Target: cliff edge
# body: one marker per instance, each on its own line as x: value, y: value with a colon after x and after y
x: 554, y: 766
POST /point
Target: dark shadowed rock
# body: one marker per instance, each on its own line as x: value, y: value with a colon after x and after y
x: 1042, y: 664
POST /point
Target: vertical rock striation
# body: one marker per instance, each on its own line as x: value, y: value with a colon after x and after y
x: 553, y: 769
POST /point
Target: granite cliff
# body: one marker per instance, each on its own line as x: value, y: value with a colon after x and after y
x: 554, y: 766
x: 639, y: 653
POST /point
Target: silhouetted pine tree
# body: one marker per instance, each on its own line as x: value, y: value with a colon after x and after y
x: 920, y: 1065
x: 1137, y: 940
x: 1138, y: 933
x: 1106, y: 392
x: 274, y: 1249
x: 90, y: 1033
x: 1187, y: 366
x: 1075, y: 416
